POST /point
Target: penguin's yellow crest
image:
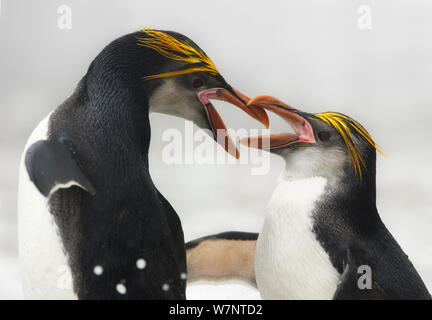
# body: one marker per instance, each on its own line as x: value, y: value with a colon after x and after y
x: 171, y: 48
x: 343, y: 126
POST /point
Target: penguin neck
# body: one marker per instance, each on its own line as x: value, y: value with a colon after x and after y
x: 117, y: 100
x: 296, y: 196
x: 112, y: 126
x: 346, y: 195
x: 353, y: 195
x: 342, y: 182
x: 349, y: 205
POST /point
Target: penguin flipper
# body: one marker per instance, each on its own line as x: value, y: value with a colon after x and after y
x: 222, y: 256
x: 51, y: 166
x: 349, y: 288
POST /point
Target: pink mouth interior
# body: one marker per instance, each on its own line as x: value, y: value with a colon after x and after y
x: 303, y: 132
x: 205, y: 95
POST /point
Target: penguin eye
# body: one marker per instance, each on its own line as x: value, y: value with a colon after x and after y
x: 197, y: 82
x: 324, y: 135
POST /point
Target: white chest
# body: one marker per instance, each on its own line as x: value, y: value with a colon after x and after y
x: 44, y: 269
x: 290, y: 262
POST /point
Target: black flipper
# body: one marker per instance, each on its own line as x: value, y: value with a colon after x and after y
x: 51, y: 166
x: 349, y: 289
x: 222, y: 256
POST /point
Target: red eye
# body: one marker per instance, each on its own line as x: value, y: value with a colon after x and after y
x: 324, y: 136
x: 197, y: 82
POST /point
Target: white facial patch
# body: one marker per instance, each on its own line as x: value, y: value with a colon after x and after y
x: 173, y: 99
x: 311, y: 161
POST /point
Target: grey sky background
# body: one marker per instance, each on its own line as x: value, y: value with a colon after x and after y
x: 311, y: 54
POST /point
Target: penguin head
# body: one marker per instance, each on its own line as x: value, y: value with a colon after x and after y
x: 189, y: 97
x: 178, y: 78
x: 327, y: 144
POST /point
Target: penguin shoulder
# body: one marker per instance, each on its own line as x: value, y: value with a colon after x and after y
x: 51, y: 166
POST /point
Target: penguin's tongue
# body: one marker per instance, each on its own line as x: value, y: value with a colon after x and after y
x: 303, y: 131
x: 218, y: 127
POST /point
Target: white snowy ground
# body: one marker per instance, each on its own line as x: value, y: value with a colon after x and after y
x: 215, y: 291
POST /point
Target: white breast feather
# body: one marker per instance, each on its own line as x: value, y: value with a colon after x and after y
x: 290, y: 263
x: 45, y: 273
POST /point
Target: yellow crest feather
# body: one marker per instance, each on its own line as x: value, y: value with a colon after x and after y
x: 343, y: 126
x: 171, y: 48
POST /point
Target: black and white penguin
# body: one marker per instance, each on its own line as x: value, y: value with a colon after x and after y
x: 92, y: 224
x: 322, y: 236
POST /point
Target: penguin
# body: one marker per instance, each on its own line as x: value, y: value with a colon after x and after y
x: 322, y: 236
x: 223, y: 256
x: 92, y: 224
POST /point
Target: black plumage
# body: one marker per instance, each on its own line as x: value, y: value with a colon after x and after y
x: 104, y: 126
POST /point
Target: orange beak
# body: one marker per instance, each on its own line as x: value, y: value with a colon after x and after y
x: 218, y: 127
x: 303, y: 131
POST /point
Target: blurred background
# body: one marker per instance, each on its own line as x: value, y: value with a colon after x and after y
x: 369, y: 59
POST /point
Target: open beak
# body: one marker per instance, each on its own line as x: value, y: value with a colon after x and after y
x: 303, y: 131
x: 217, y: 125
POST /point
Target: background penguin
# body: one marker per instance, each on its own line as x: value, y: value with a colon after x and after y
x: 322, y: 229
x: 92, y: 224
x: 222, y: 256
